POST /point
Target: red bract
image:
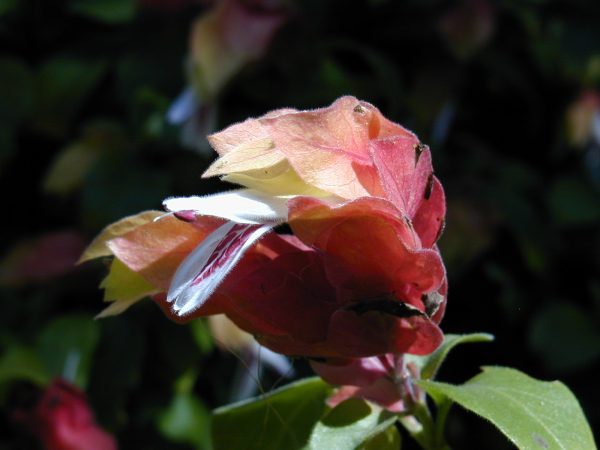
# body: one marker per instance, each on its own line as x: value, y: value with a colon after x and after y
x: 361, y: 275
x: 62, y: 420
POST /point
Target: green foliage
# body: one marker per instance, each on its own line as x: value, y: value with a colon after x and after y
x: 533, y: 414
x: 281, y: 419
x: 7, y: 6
x: 108, y: 11
x: 112, y: 191
x: 113, y: 389
x: 62, y: 86
x: 350, y: 425
x: 186, y: 419
x: 17, y: 89
x: 564, y: 337
x: 573, y: 203
x: 20, y: 363
x: 202, y: 335
x: 66, y: 346
x: 389, y: 439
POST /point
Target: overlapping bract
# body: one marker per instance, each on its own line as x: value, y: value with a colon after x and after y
x: 361, y: 274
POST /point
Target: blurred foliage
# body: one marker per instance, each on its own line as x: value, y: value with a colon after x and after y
x: 84, y: 140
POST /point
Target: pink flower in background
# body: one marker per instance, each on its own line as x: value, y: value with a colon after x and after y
x: 40, y: 259
x: 229, y: 36
x: 63, y: 420
x: 223, y: 40
x: 583, y: 119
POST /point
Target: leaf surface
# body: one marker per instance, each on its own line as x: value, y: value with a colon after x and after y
x: 350, y: 425
x: 532, y: 414
x: 282, y: 419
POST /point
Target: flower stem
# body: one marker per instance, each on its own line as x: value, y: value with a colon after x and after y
x: 428, y: 433
x: 443, y: 408
x: 418, y: 420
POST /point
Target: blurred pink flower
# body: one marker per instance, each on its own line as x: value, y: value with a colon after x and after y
x: 63, y: 420
x: 39, y: 259
x: 229, y: 36
x: 223, y: 40
x: 583, y: 119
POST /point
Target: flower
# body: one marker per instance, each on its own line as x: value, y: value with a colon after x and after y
x: 385, y: 380
x: 583, y: 130
x: 360, y: 276
x: 583, y: 119
x: 232, y: 34
x: 223, y: 40
x: 62, y: 420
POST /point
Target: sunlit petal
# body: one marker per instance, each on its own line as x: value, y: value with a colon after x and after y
x: 241, y: 206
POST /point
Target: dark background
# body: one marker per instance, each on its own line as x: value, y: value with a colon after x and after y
x: 489, y: 86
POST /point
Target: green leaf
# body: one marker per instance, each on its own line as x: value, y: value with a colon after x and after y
x: 388, y: 439
x: 109, y: 11
x: 186, y: 420
x: 63, y: 85
x: 431, y: 363
x: 113, y: 190
x: 7, y: 145
x: 20, y: 363
x: 573, y: 203
x: 7, y: 6
x: 202, y: 335
x: 533, y: 414
x: 68, y: 170
x: 118, y: 366
x: 281, y: 419
x: 70, y: 167
x: 66, y: 347
x: 558, y: 329
x: 16, y: 91
x: 350, y: 425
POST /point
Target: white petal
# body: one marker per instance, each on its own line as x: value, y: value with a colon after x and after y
x: 242, y: 206
x: 195, y: 261
x: 207, y: 266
